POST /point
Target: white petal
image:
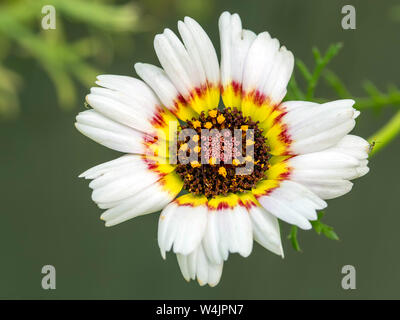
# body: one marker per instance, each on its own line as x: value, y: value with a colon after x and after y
x: 191, y: 47
x: 193, y: 66
x: 119, y: 185
x: 128, y: 85
x: 267, y: 68
x: 323, y: 160
x: 182, y: 227
x: 235, y: 231
x: 354, y: 146
x: 191, y: 264
x: 121, y: 179
x: 229, y: 230
x: 121, y: 108
x: 328, y: 188
x: 109, y: 133
x: 314, y: 127
x: 158, y: 80
x: 259, y: 62
x: 327, y: 164
x: 105, y: 167
x: 323, y: 174
x: 136, y: 94
x: 275, y: 85
x: 322, y: 140
x: 131, y: 186
x: 292, y: 106
x: 326, y: 172
x: 166, y: 235
x: 176, y: 62
x: 307, y: 122
x: 197, y: 265
x: 235, y: 43
x: 149, y: 199
x: 201, y: 48
x: 211, y: 240
x: 266, y: 229
x: 293, y: 203
x: 183, y: 265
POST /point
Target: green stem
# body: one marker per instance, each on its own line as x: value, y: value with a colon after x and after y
x: 293, y: 238
x: 385, y: 135
x: 367, y: 103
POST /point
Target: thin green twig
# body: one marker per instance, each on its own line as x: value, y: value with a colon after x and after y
x: 385, y: 135
x: 293, y: 238
x: 321, y: 63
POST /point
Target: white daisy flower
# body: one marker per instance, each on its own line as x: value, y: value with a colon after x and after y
x: 303, y: 155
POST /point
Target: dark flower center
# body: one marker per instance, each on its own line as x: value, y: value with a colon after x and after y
x: 227, y: 153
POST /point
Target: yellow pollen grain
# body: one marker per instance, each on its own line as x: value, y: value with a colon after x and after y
x: 184, y: 147
x: 197, y: 149
x: 249, y: 158
x: 196, y: 124
x: 196, y: 138
x: 244, y: 127
x: 213, y: 113
x: 222, y: 171
x: 189, y: 177
x: 249, y: 142
x: 235, y: 162
x: 212, y: 161
x: 195, y: 164
x: 208, y: 125
x: 220, y: 119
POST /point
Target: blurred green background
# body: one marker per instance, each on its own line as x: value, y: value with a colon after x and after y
x: 49, y: 218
